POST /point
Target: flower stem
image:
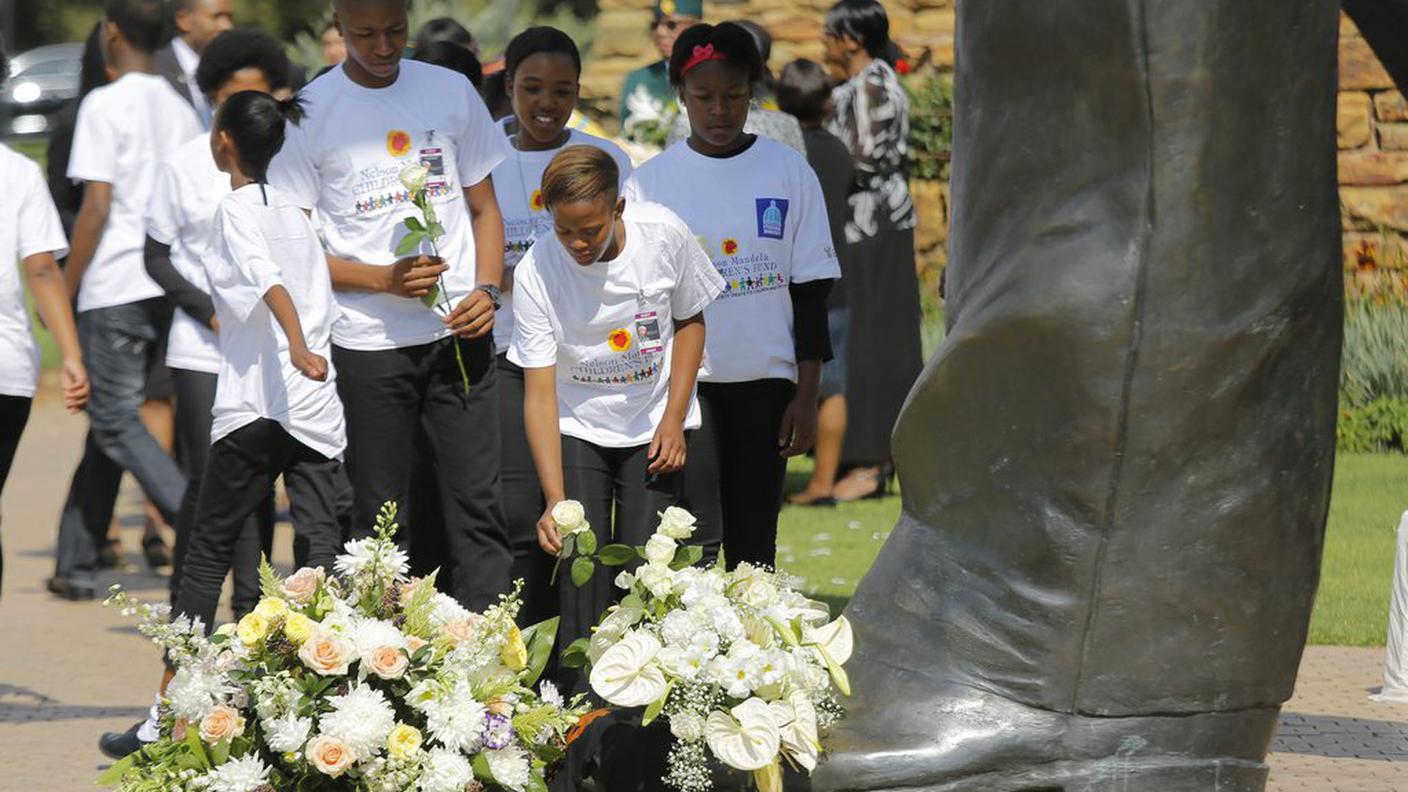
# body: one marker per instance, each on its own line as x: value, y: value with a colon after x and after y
x: 445, y: 303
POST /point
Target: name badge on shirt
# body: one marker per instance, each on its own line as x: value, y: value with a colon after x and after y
x: 648, y: 339
x: 433, y: 158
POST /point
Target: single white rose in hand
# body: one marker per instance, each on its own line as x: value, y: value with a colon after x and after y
x: 569, y: 516
x: 414, y: 177
x: 627, y: 674
x: 746, y: 737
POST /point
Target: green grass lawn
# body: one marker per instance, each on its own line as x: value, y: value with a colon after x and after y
x: 832, y: 548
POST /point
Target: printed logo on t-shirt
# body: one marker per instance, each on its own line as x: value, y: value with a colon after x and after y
x: 746, y: 273
x: 619, y: 339
x: 536, y: 201
x: 772, y: 217
x: 398, y: 143
x: 729, y: 246
x: 631, y: 368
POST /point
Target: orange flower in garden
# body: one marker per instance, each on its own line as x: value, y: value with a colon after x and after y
x: 620, y: 340
x: 536, y: 201
x: 730, y: 246
x: 398, y: 143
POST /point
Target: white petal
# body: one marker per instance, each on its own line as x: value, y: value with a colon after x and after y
x: 836, y: 638
x: 627, y: 675
x: 747, y: 739
x: 798, y: 732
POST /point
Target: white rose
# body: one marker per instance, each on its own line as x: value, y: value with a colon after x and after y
x: 414, y: 176
x: 624, y: 580
x: 677, y: 523
x: 658, y: 579
x: 569, y: 516
x: 660, y: 549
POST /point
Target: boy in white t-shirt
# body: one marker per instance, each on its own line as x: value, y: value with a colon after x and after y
x: 30, y: 232
x: 542, y: 67
x: 609, y: 329
x: 124, y: 131
x: 179, y: 237
x: 397, y: 359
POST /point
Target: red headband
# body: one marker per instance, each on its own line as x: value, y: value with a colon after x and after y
x: 702, y: 54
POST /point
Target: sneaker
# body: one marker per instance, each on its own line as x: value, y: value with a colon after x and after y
x: 119, y: 745
x: 67, y: 589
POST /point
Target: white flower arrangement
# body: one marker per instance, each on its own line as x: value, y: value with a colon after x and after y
x: 368, y: 680
x: 744, y: 667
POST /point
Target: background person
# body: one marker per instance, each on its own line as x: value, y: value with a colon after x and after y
x: 647, y: 91
x: 196, y: 23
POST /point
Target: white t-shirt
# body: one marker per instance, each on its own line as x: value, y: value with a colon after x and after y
x: 609, y: 328
x: 517, y: 182
x: 345, y: 159
x: 187, y: 192
x: 761, y: 217
x: 124, y: 131
x: 259, y: 244
x: 29, y: 224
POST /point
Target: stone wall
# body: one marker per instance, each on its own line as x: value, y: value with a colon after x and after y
x: 1373, y: 159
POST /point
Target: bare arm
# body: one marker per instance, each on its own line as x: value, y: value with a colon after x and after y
x: 410, y: 277
x: 88, y: 230
x: 474, y: 316
x: 46, y: 286
x: 312, y: 365
x: 667, y: 448
x: 545, y: 441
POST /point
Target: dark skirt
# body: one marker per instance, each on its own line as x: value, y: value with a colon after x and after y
x: 885, y: 354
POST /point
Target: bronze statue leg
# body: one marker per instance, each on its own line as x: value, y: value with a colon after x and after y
x: 1116, y: 470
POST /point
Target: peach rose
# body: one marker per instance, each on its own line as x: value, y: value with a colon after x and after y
x: 499, y: 707
x: 329, y: 755
x: 303, y: 584
x: 387, y: 662
x: 326, y: 652
x: 221, y: 723
x: 414, y: 643
x: 461, y: 630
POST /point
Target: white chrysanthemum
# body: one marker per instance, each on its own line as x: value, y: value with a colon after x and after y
x: 510, y: 767
x: 371, y: 634
x: 245, y: 774
x: 362, y: 719
x: 192, y: 692
x: 287, y: 734
x: 362, y: 554
x: 456, y: 720
x: 446, y: 610
x: 726, y: 623
x: 550, y: 695
x: 677, y: 629
x: 687, y: 726
x: 445, y: 771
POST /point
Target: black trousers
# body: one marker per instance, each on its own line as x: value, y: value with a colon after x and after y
x: 608, y: 482
x: 195, y: 395
x: 523, y: 501
x: 734, y: 475
x: 14, y: 414
x: 390, y: 395
x: 239, y: 472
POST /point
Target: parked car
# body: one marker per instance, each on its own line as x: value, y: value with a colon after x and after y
x: 40, y: 82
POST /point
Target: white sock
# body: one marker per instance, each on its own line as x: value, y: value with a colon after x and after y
x: 149, y: 731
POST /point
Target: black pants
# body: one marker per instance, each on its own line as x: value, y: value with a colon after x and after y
x: 195, y: 395
x: 239, y: 472
x: 607, y: 482
x: 523, y: 501
x: 388, y: 396
x: 734, y: 474
x: 14, y: 414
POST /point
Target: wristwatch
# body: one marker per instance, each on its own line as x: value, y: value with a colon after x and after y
x: 496, y: 296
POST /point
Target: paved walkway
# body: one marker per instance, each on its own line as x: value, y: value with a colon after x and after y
x: 69, y: 671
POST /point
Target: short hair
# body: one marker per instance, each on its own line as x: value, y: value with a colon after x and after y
x: 234, y: 50
x: 762, y: 39
x: 729, y: 40
x: 540, y: 39
x: 580, y: 173
x: 256, y: 122
x: 452, y: 57
x: 803, y: 89
x: 443, y: 29
x: 495, y: 95
x: 141, y: 22
x: 863, y: 20
x: 93, y: 70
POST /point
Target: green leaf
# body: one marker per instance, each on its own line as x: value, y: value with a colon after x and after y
x: 413, y: 224
x: 535, y: 783
x: 688, y: 555
x: 632, y: 601
x: 784, y: 630
x: 219, y: 638
x: 197, y: 748
x: 539, y: 639
x: 119, y: 769
x: 569, y: 546
x: 269, y: 583
x: 586, y: 542
x: 653, y: 711
x: 220, y: 752
x: 575, y: 655
x: 582, y: 570
x: 410, y: 243
x: 480, y: 763
x: 435, y: 230
x: 617, y: 555
x: 430, y: 298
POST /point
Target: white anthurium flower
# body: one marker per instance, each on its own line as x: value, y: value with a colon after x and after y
x: 569, y: 515
x: 414, y: 177
x: 814, y: 613
x: 660, y: 549
x: 796, y: 721
x: 627, y: 674
x: 746, y: 737
x: 835, y: 638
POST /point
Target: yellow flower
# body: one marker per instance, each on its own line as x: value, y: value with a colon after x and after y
x: 404, y: 741
x: 298, y: 628
x: 272, y: 608
x: 514, y: 653
x: 252, y: 629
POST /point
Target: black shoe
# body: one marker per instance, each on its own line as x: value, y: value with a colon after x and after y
x: 110, y: 555
x: 67, y: 589
x: 119, y: 745
x: 158, y: 557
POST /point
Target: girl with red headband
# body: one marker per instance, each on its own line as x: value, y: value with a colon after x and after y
x: 758, y: 209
